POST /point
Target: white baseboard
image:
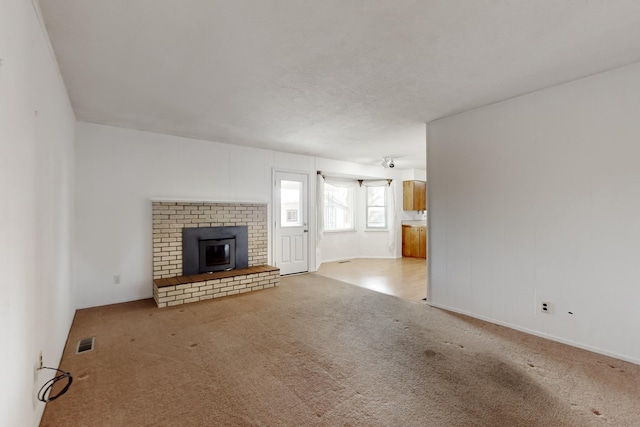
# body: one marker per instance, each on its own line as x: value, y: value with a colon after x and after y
x: 356, y: 257
x: 539, y: 334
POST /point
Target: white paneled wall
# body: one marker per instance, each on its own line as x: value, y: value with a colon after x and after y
x: 538, y: 199
x: 36, y: 173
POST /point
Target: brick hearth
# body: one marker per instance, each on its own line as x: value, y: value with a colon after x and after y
x: 198, y: 287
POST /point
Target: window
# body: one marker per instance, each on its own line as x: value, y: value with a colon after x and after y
x: 377, y: 207
x: 290, y: 203
x: 338, y: 208
x: 292, y: 216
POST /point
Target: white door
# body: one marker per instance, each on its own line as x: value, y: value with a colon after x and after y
x: 291, y: 230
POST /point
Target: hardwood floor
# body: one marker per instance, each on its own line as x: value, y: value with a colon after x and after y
x: 405, y: 278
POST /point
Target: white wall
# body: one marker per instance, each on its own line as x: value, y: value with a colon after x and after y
x: 36, y: 161
x: 414, y: 174
x: 538, y: 198
x: 118, y: 173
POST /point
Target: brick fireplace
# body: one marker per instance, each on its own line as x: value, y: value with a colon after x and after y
x: 171, y: 285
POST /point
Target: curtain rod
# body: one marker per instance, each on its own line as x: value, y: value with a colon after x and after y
x: 360, y: 181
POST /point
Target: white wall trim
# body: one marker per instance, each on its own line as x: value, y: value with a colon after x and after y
x: 178, y: 200
x: 52, y: 53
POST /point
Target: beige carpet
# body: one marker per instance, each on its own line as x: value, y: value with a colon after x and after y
x: 319, y: 352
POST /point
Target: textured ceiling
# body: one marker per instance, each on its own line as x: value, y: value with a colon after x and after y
x: 348, y: 79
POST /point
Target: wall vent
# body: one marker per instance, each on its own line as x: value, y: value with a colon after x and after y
x: 85, y: 344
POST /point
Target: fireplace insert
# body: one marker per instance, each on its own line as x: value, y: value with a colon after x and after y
x: 209, y: 249
x: 217, y: 255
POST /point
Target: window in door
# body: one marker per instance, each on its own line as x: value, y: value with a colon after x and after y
x: 290, y: 203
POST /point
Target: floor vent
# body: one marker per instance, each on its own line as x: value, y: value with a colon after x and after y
x: 85, y: 344
x: 342, y: 262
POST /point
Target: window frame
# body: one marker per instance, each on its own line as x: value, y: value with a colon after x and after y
x: 385, y: 206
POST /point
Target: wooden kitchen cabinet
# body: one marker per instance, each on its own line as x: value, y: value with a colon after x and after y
x: 414, y: 241
x: 414, y: 195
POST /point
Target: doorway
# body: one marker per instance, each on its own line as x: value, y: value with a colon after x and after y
x: 291, y: 222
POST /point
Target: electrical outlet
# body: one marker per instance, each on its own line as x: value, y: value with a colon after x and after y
x: 546, y: 307
x: 116, y: 279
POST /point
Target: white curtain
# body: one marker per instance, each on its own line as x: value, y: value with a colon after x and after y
x: 393, y: 220
x: 320, y: 181
x: 339, y: 182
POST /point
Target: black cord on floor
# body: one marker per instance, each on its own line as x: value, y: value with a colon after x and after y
x: 46, y: 388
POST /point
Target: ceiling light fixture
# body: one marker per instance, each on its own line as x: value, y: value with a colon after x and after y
x: 388, y: 163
